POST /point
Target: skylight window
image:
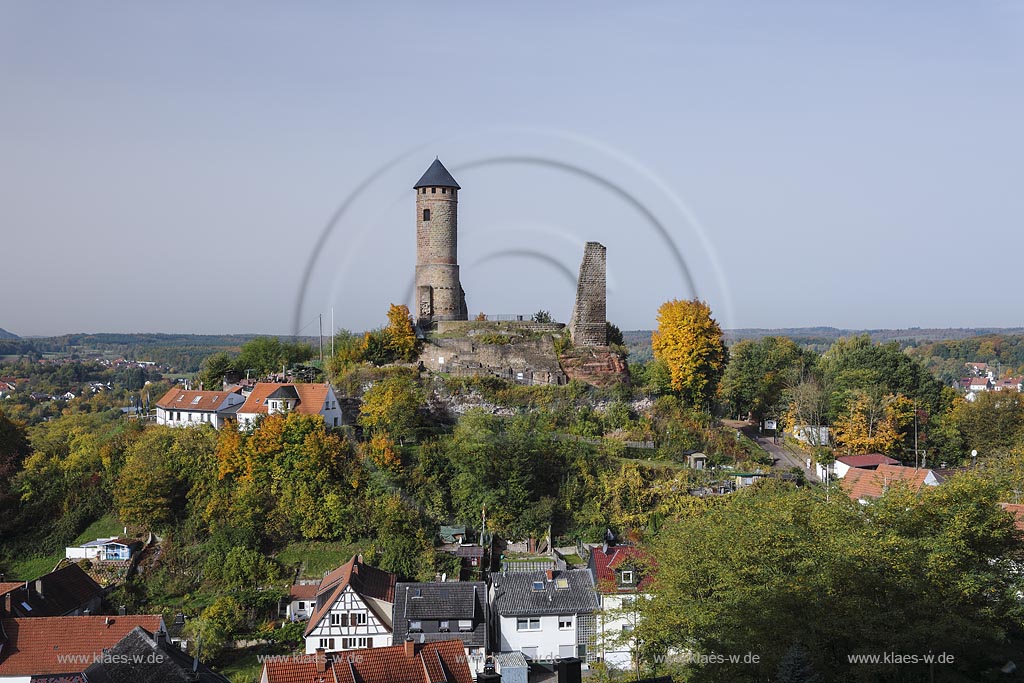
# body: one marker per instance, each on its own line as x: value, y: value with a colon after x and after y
x: 562, y: 584
x: 538, y: 586
x: 196, y: 400
x: 28, y: 607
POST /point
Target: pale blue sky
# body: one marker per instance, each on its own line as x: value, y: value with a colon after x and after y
x: 170, y: 166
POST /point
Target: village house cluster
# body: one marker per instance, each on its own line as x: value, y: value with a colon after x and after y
x: 980, y: 378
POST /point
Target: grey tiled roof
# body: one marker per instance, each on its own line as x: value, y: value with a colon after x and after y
x: 437, y: 176
x: 448, y: 601
x: 514, y: 593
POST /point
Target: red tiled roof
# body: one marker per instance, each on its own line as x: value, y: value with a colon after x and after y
x: 365, y: 580
x: 303, y: 591
x: 311, y: 398
x: 7, y: 587
x: 867, y: 460
x: 34, y: 644
x: 860, y: 483
x: 431, y: 663
x: 1018, y: 514
x: 179, y: 399
x: 605, y: 564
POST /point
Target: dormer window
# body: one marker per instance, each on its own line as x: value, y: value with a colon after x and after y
x: 415, y: 627
x: 627, y: 576
x: 443, y: 627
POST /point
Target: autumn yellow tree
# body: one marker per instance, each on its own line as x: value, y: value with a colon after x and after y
x: 689, y: 341
x: 873, y: 424
x: 401, y: 338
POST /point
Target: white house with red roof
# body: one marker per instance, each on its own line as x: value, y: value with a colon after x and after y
x: 621, y: 577
x: 352, y: 609
x: 839, y: 468
x: 300, y: 601
x: 182, y: 408
x: 268, y: 398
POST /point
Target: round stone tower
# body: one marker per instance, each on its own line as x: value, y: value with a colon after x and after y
x: 439, y: 294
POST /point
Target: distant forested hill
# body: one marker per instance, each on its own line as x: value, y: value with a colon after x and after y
x: 4, y: 334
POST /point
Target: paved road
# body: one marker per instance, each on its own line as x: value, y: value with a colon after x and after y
x: 784, y: 458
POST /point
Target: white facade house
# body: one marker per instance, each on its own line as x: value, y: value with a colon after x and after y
x: 621, y: 581
x: 268, y: 398
x: 300, y: 602
x: 841, y: 466
x: 111, y: 549
x: 183, y: 408
x: 545, y: 615
x: 352, y: 609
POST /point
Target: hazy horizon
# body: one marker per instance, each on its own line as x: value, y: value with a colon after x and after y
x: 174, y: 167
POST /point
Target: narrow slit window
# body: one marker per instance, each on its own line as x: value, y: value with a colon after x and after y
x: 426, y: 214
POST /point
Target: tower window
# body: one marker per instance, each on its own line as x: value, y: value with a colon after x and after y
x: 433, y: 190
x: 444, y: 191
x: 424, y: 191
x: 426, y: 214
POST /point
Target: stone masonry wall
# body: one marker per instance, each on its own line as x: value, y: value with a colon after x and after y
x: 588, y: 324
x: 439, y: 290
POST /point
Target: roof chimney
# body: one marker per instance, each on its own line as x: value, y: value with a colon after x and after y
x: 160, y: 637
x: 321, y: 660
x: 410, y: 647
x: 550, y: 574
x: 39, y: 587
x: 106, y: 621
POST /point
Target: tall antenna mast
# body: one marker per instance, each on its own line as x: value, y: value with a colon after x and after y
x: 321, y: 316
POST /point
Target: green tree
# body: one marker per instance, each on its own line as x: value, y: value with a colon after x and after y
x: 213, y: 370
x: 392, y: 405
x: 907, y: 573
x: 757, y: 375
x: 689, y: 341
x: 542, y: 316
x: 265, y: 355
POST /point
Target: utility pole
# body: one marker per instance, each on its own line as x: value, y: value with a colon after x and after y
x: 321, y: 317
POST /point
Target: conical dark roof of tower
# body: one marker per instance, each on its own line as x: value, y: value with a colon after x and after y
x: 437, y: 176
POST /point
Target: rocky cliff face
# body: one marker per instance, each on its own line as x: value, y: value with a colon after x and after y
x: 598, y: 366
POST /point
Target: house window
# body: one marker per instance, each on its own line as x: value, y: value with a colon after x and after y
x: 627, y: 628
x: 627, y: 600
x: 465, y: 625
x: 359, y: 618
x: 444, y: 191
x: 347, y: 643
x: 327, y: 643
x: 415, y: 626
x: 302, y: 605
x: 530, y: 652
x: 565, y: 622
x: 443, y: 627
x: 528, y: 624
x: 627, y: 577
x: 562, y: 583
x: 426, y: 214
x: 335, y: 422
x: 339, y: 619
